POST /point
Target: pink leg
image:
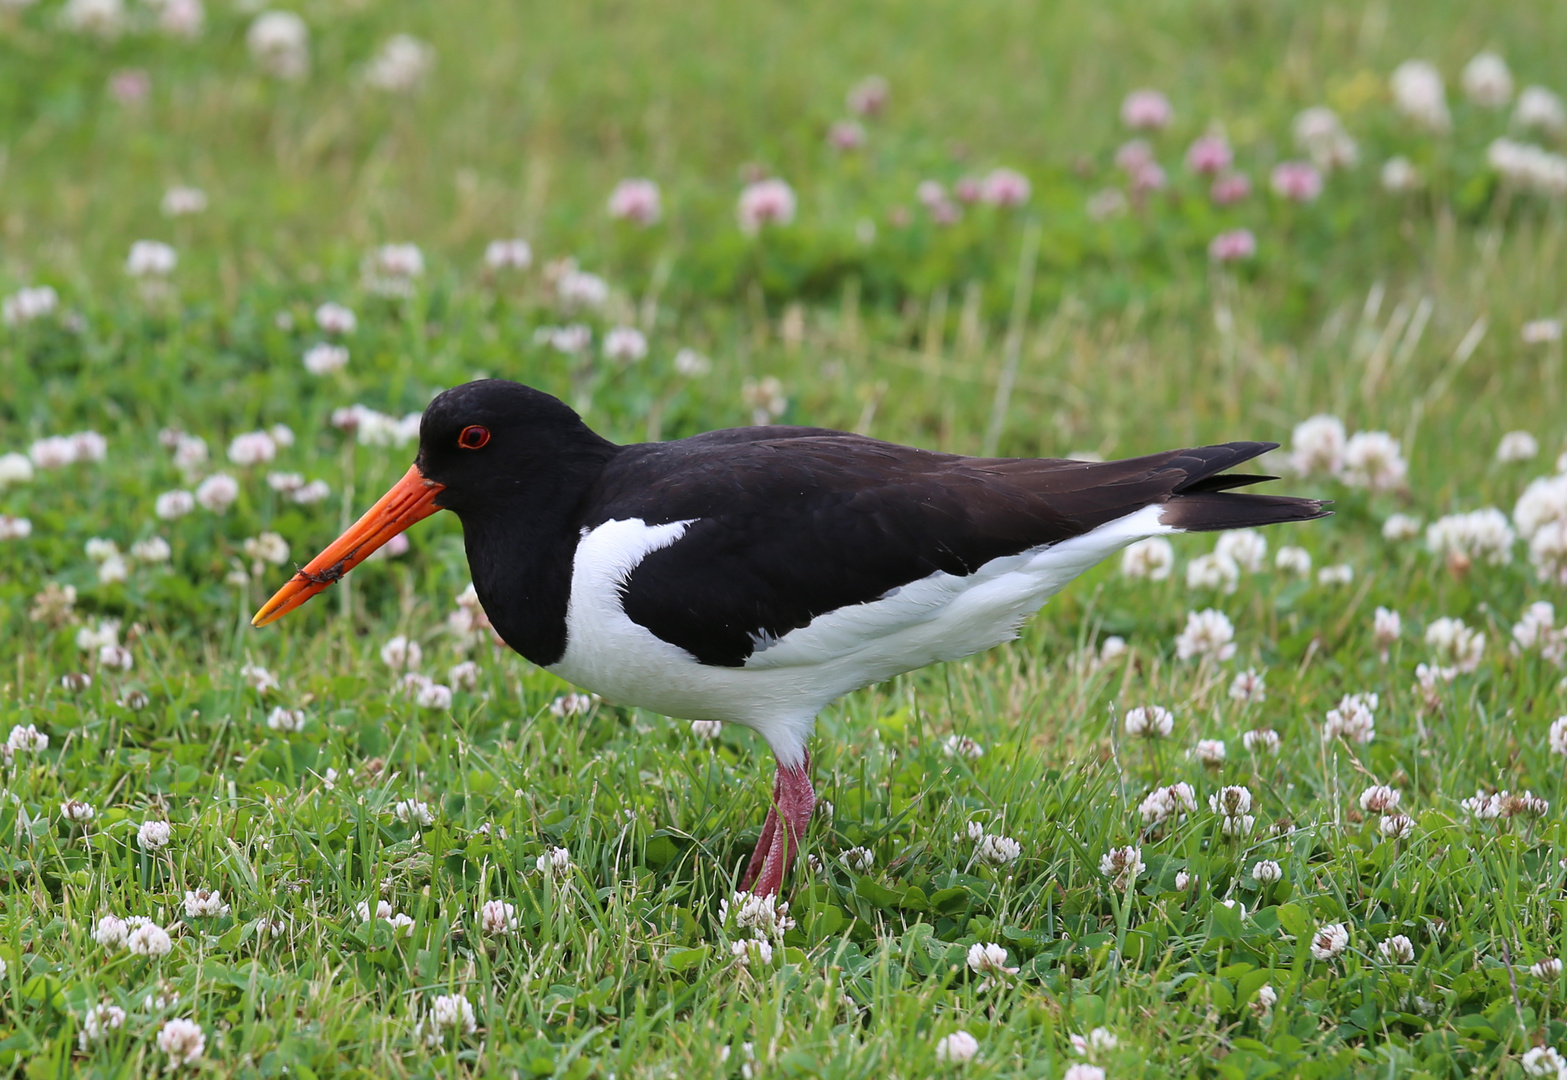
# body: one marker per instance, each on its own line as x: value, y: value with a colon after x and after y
x: 794, y: 799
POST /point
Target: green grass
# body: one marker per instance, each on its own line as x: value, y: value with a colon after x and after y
x: 1398, y: 313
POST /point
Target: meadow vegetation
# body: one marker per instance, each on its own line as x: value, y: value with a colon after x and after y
x: 1286, y: 803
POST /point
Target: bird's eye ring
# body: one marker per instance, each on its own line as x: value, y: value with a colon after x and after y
x: 473, y: 436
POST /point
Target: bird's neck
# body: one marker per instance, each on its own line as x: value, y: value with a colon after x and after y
x: 520, y: 552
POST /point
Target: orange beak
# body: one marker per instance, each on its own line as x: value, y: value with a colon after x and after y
x: 411, y: 499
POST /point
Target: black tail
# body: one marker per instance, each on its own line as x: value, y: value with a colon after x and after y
x: 1204, y: 501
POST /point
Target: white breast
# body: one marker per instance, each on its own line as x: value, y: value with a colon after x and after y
x: 786, y: 682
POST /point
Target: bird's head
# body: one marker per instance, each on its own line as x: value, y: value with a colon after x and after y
x: 484, y: 447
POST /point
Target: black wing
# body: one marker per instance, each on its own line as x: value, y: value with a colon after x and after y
x: 792, y: 523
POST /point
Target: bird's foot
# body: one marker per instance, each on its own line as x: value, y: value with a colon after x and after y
x: 793, y: 801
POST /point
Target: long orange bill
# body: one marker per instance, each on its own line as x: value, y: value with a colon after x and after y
x: 411, y: 499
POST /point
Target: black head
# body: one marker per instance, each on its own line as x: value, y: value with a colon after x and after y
x: 495, y: 444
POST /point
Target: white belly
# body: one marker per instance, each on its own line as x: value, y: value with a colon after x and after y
x: 785, y: 683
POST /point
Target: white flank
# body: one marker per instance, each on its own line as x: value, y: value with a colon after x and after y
x: 786, y: 682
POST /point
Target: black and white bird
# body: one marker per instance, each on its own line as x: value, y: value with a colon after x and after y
x: 756, y: 574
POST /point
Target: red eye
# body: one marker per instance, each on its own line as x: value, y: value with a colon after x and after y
x: 473, y: 436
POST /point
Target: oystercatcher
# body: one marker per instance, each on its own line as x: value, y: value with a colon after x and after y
x: 756, y: 574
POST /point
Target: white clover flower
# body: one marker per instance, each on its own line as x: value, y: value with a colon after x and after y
x: 1112, y: 648
x: 707, y: 729
x: 1380, y: 799
x: 1320, y: 135
x: 572, y: 704
x: 858, y: 859
x: 1233, y: 800
x: 1487, y: 81
x: 173, y: 504
x: 258, y: 678
x: 1541, y: 332
x: 324, y: 358
x: 150, y: 258
x: 1386, y: 629
x: 514, y: 254
x: 314, y: 492
x: 1339, y: 574
x: 332, y: 318
x: 435, y: 697
x: 1267, y: 872
x: 154, y: 835
x: 29, y: 305
x: 1210, y: 751
x: 1418, y: 93
x: 269, y: 547
x: 1549, y: 968
x: 1263, y: 1001
x: 1354, y: 720
x: 1122, y: 865
x: 1329, y: 941
x: 959, y: 1048
x: 1397, y: 949
x: 217, y: 492
x: 758, y: 949
x: 464, y: 675
x: 636, y: 200
x: 1317, y: 446
x: 449, y: 1014
x: 149, y: 939
x: 497, y: 917
x: 401, y: 65
x: 25, y: 738
x: 1482, y: 806
x: 1456, y: 644
x: 98, y: 1022
x: 1261, y: 741
x: 252, y: 448
x: 988, y: 958
x: 15, y: 528
x: 204, y: 903
x: 962, y: 746
x: 1247, y: 548
x: 765, y: 202
x: 765, y: 398
x: 1166, y: 803
x: 182, y: 1040
x: 154, y: 549
x: 90, y: 638
x: 1293, y: 560
x: 14, y: 469
x: 998, y: 850
x: 579, y: 290
x: 1182, y: 881
x: 289, y: 721
x: 765, y: 916
x: 1249, y: 687
x: 1400, y: 176
x: 111, y: 932
x: 1098, y: 1041
x: 1396, y: 826
x: 556, y: 860
x: 1543, y: 1061
x: 412, y: 811
x: 1517, y: 446
x: 75, y: 810
x: 1149, y: 722
x: 1005, y: 187
x: 1374, y: 460
x: 1399, y: 528
x: 1213, y: 571
x: 625, y: 344
x: 181, y: 201
x: 279, y: 43
x: 1146, y: 110
x: 1083, y: 1071
x: 1528, y: 167
x: 1208, y: 634
x: 1152, y: 558
x: 692, y: 364
x: 1540, y: 108
x: 401, y: 654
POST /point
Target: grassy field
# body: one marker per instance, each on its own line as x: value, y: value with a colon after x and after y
x: 289, y: 852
